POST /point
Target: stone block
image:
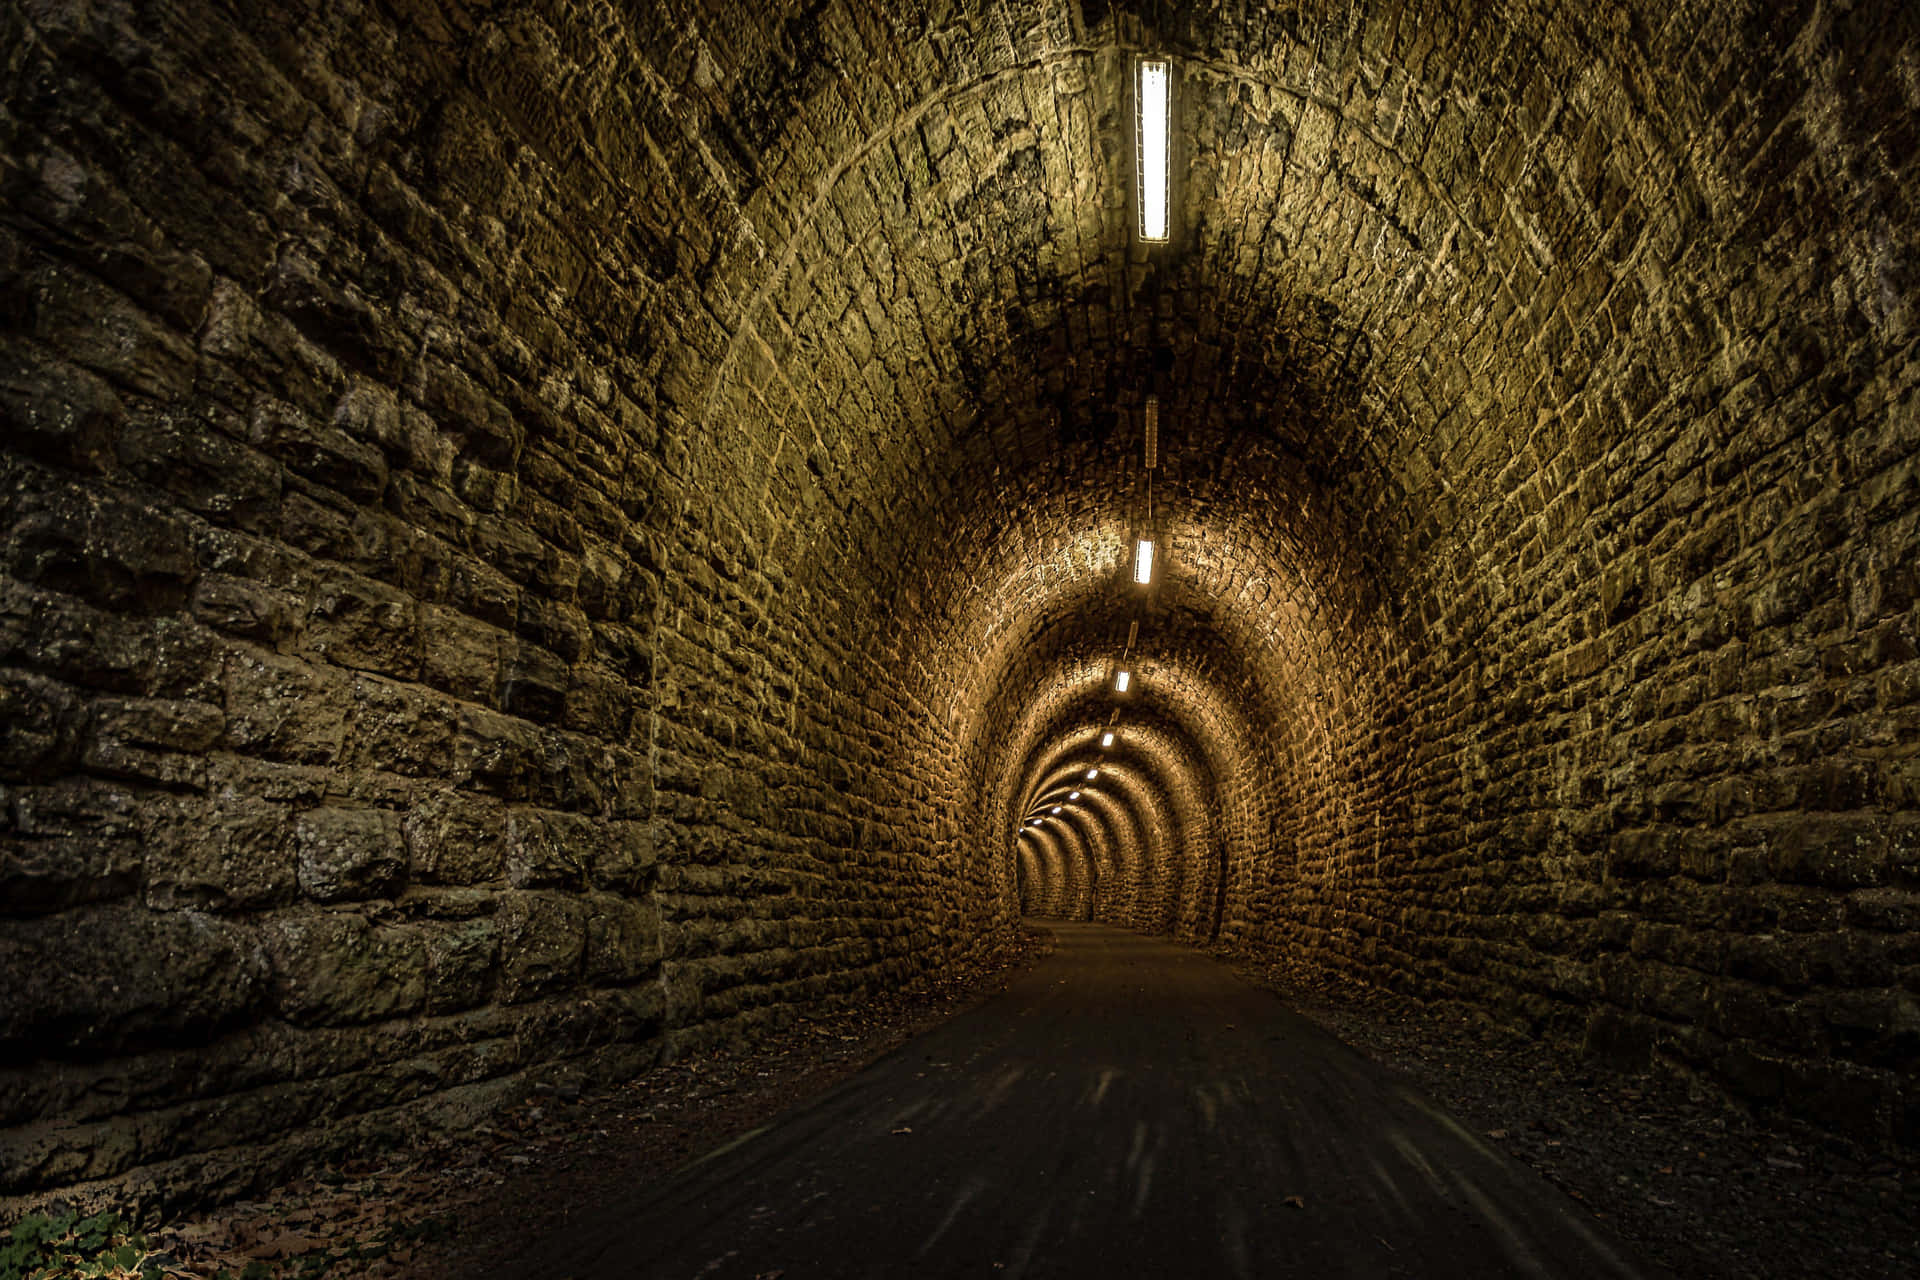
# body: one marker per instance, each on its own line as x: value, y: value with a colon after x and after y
x: 456, y: 838
x: 251, y: 610
x: 398, y: 728
x: 534, y: 685
x: 356, y: 622
x: 542, y: 943
x: 496, y: 753
x: 117, y: 978
x: 462, y: 655
x: 349, y: 854
x: 339, y: 969
x: 546, y: 849
x: 283, y: 709
x: 623, y: 939
x: 51, y: 874
x: 94, y: 326
x: 480, y: 423
x: 40, y: 726
x: 228, y: 852
x: 600, y: 704
x: 337, y: 316
x: 250, y: 350
x: 151, y: 739
x: 320, y: 452
x: 113, y: 553
x: 623, y: 856
x: 1834, y: 851
x: 461, y: 959
x: 203, y: 468
x: 56, y: 412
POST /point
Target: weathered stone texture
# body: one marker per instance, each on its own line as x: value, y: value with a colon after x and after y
x: 532, y: 538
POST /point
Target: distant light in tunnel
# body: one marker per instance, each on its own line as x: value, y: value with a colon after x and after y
x: 1143, y: 561
x: 1151, y: 133
x: 1106, y: 739
x: 1056, y: 808
x: 1092, y: 774
x: 1121, y: 680
x: 1074, y: 796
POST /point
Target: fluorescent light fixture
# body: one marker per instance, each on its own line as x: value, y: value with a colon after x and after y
x: 1143, y: 561
x: 1152, y: 101
x: 1092, y: 774
x: 1056, y: 808
x: 1106, y: 739
x: 1121, y: 681
x: 1074, y: 796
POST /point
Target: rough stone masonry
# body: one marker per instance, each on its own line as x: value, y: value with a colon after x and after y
x: 535, y: 536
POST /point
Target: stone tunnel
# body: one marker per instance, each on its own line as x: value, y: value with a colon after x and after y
x: 544, y: 536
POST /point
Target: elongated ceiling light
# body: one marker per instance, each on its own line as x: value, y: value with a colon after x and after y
x: 1151, y: 131
x: 1143, y: 561
x: 1092, y: 774
x: 1074, y: 796
x: 1056, y: 808
x: 1106, y: 739
x: 1121, y: 681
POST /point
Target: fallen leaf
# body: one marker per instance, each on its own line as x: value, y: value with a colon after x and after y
x: 1295, y: 1202
x: 1496, y: 1134
x: 901, y: 1129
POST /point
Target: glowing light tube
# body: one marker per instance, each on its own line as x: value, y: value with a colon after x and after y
x: 1106, y: 739
x: 1121, y: 681
x: 1143, y: 561
x: 1152, y: 101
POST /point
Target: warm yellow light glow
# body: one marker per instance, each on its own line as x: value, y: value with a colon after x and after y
x: 1106, y: 739
x: 1121, y: 681
x: 1143, y: 561
x: 1151, y: 124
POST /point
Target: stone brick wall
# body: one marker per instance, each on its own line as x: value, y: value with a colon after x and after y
x: 537, y: 536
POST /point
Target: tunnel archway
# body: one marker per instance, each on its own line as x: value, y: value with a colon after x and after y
x: 603, y: 520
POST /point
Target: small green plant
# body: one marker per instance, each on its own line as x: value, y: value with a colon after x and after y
x: 70, y: 1247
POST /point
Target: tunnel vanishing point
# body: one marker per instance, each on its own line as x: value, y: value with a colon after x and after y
x: 538, y: 536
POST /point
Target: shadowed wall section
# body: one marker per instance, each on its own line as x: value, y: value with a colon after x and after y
x: 545, y: 536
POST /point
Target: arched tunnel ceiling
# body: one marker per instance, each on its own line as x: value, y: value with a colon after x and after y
x: 1406, y: 243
